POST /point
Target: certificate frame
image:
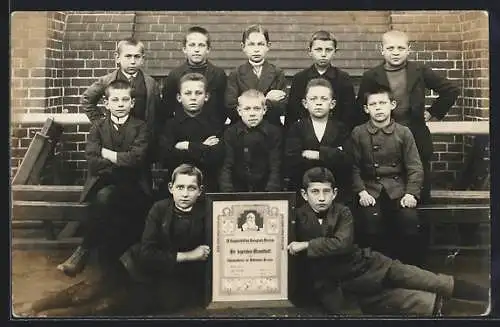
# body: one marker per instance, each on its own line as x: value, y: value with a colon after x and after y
x: 273, y: 284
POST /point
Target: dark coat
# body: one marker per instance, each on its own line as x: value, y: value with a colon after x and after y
x: 95, y: 92
x: 131, y: 162
x: 387, y: 159
x: 253, y: 158
x: 195, y: 130
x: 156, y: 255
x: 243, y: 78
x: 419, y: 78
x: 301, y: 137
x: 216, y: 81
x: 342, y: 87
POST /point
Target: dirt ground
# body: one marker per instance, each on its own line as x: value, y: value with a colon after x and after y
x: 34, y: 275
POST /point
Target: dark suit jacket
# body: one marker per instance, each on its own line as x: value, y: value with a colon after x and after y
x: 156, y: 254
x: 154, y: 116
x: 131, y: 162
x: 253, y: 159
x: 243, y: 79
x: 301, y: 137
x: 419, y: 78
x: 217, y: 82
x: 342, y: 86
x: 332, y: 260
x: 195, y: 130
x: 386, y: 158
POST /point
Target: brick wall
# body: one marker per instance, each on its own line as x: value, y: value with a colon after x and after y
x: 36, y: 72
x: 446, y: 40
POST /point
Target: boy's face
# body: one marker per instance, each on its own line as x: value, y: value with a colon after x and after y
x: 251, y: 111
x: 319, y: 195
x: 130, y: 58
x: 379, y: 106
x: 192, y: 96
x: 196, y: 48
x: 256, y: 47
x: 319, y: 101
x: 322, y: 52
x: 395, y: 50
x: 119, y: 102
x: 185, y: 190
x: 251, y: 219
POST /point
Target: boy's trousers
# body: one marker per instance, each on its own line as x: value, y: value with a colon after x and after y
x: 116, y: 220
x: 391, y: 229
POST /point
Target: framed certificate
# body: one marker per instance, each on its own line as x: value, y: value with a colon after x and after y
x: 249, y: 234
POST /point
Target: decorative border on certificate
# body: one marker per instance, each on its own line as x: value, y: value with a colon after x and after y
x: 250, y: 233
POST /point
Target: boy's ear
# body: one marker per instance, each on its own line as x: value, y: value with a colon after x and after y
x: 333, y: 103
x: 304, y: 103
x: 304, y: 194
x: 394, y: 104
x: 365, y: 108
x: 242, y: 45
x: 106, y: 102
x: 178, y: 97
x: 132, y: 102
x: 170, y: 186
x: 116, y: 55
x: 381, y: 47
x: 207, y: 96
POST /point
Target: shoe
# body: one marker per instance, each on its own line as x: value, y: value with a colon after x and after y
x: 75, y: 263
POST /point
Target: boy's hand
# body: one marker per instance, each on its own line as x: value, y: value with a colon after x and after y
x: 296, y: 247
x: 109, y: 154
x: 200, y: 253
x: 427, y: 115
x: 275, y: 95
x: 408, y: 201
x: 365, y: 199
x: 310, y: 154
x: 211, y: 140
x: 184, y: 145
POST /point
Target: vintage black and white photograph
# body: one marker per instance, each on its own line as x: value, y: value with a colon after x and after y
x: 260, y: 164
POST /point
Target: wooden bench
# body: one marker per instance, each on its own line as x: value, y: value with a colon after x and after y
x: 34, y: 205
x: 451, y: 209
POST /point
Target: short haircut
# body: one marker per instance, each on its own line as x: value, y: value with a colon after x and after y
x: 320, y: 82
x: 395, y: 33
x: 323, y: 36
x: 318, y: 175
x: 193, y: 77
x: 119, y: 84
x: 378, y: 90
x: 252, y: 93
x: 190, y: 170
x: 255, y: 29
x: 197, y: 29
x: 130, y: 41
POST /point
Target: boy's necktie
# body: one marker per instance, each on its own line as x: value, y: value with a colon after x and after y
x: 131, y: 80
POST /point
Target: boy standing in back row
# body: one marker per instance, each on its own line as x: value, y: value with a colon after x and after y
x: 196, y: 47
x: 408, y: 81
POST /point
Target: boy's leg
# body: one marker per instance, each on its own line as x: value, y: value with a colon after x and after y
x: 400, y: 275
x: 398, y: 301
x: 425, y: 194
x: 407, y: 241
x: 370, y: 223
x: 95, y: 230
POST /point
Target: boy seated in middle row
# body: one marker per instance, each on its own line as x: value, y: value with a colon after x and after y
x: 193, y: 135
x: 253, y: 149
x: 318, y: 140
x: 387, y: 176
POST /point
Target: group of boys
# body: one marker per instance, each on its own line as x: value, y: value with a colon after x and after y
x: 244, y: 133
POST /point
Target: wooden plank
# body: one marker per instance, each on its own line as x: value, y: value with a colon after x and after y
x: 444, y: 214
x: 461, y: 247
x: 35, y: 150
x: 69, y: 230
x: 459, y: 127
x: 41, y: 244
x: 457, y: 194
x: 57, y: 193
x: 63, y: 119
x: 34, y: 224
x: 41, y: 210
